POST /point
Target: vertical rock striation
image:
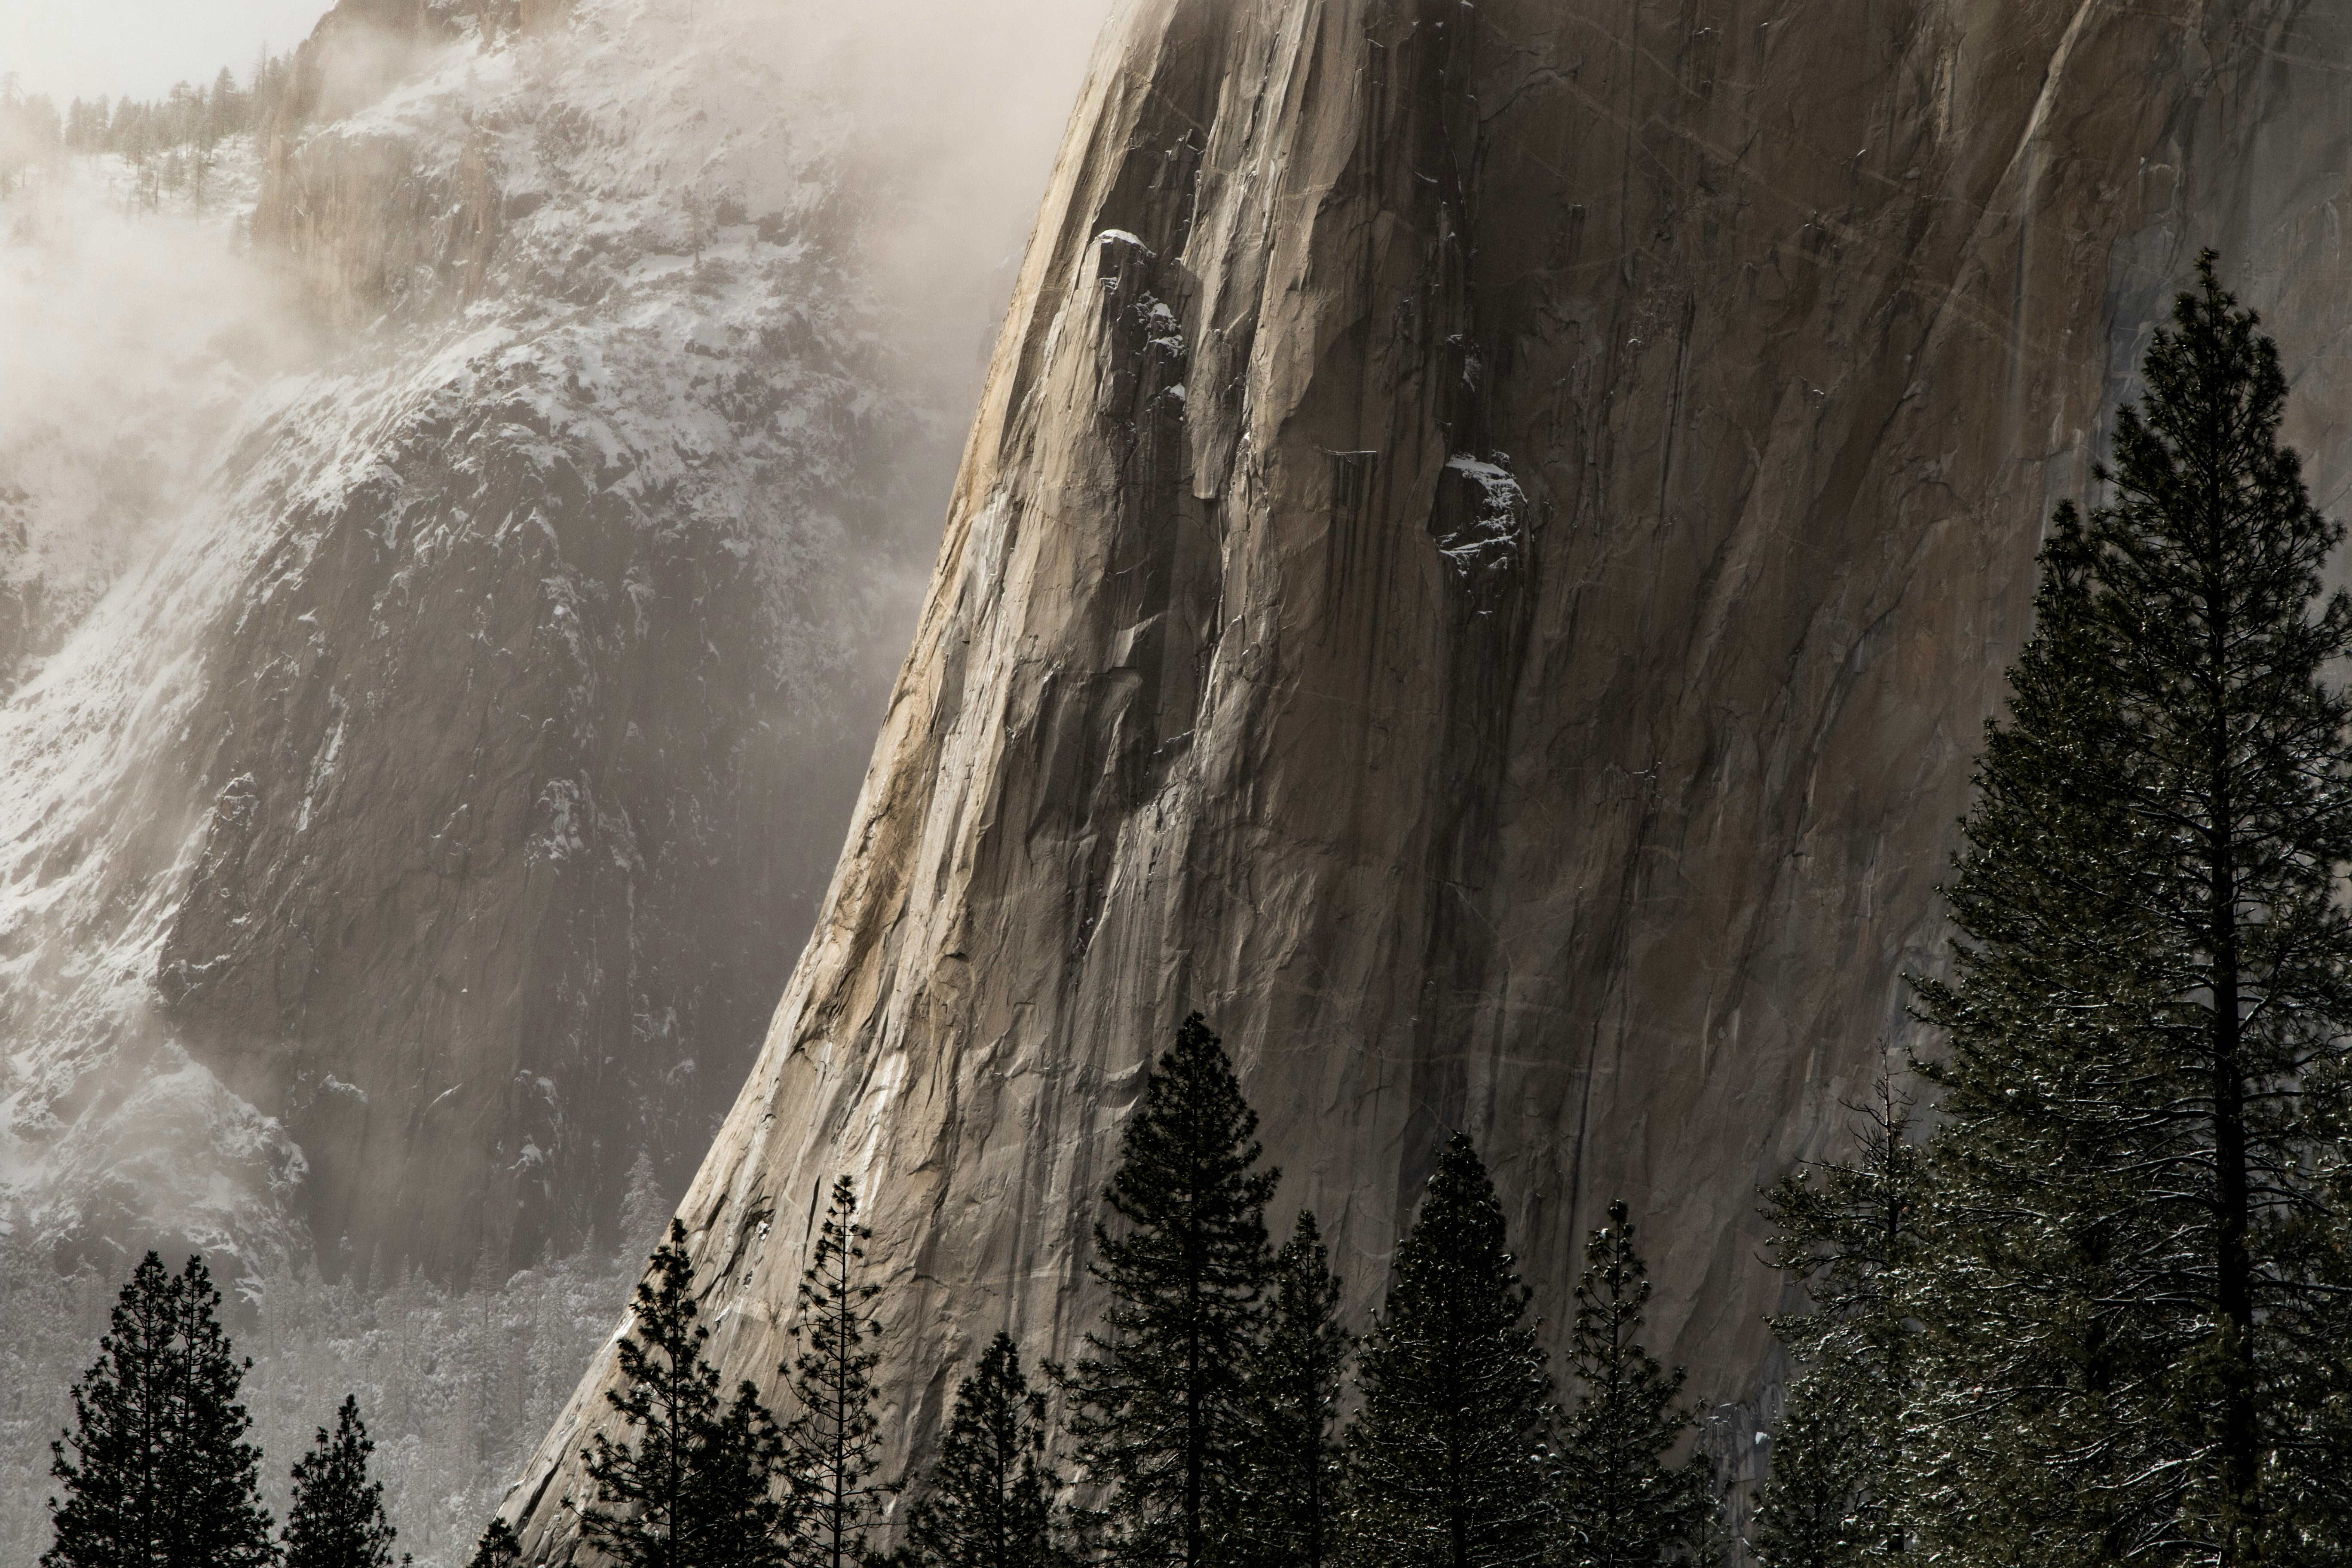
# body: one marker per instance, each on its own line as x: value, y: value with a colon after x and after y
x: 1489, y: 539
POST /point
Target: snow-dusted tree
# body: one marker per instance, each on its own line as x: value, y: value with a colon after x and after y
x: 1622, y: 1505
x: 2135, y: 1295
x: 1286, y: 1512
x: 1809, y: 1515
x: 1449, y: 1459
x: 989, y: 1500
x: 829, y: 1439
x: 1848, y: 1231
x: 1159, y: 1402
x: 156, y: 1471
x: 337, y: 1517
x: 694, y: 1482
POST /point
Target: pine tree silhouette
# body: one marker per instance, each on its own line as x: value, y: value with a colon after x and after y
x: 498, y: 1547
x: 1160, y: 1402
x: 337, y: 1517
x: 693, y: 1484
x: 835, y: 1466
x: 2135, y: 1291
x: 156, y: 1471
x: 989, y: 1500
x: 1449, y: 1459
x: 1622, y: 1507
x: 1294, y: 1465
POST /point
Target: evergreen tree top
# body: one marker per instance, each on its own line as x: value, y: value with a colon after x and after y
x: 1187, y: 1164
x: 835, y: 1463
x: 1456, y: 1262
x: 156, y: 1469
x: 1450, y: 1456
x: 1157, y: 1404
x: 1305, y: 1289
x: 498, y: 1547
x: 1623, y: 1506
x: 336, y: 1519
x: 1612, y: 1295
x: 840, y: 1247
x: 988, y: 1502
x: 1845, y: 1227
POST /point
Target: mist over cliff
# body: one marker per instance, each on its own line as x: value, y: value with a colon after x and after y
x: 452, y: 573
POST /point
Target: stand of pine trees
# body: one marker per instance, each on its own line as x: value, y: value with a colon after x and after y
x: 2103, y: 1313
x: 1207, y: 1415
x: 170, y: 141
x: 155, y: 1470
x: 1203, y: 1423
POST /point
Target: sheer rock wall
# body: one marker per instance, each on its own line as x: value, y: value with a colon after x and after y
x: 1489, y: 540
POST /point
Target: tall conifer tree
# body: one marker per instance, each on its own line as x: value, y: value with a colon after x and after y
x: 337, y: 1519
x: 1849, y: 1231
x: 1288, y: 1509
x: 835, y: 1466
x: 1449, y: 1458
x: 694, y: 1482
x: 1808, y: 1514
x: 989, y: 1500
x: 1160, y: 1401
x: 1622, y: 1505
x: 156, y: 1471
x: 2134, y: 1325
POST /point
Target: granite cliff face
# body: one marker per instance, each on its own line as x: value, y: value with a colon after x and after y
x: 1489, y: 539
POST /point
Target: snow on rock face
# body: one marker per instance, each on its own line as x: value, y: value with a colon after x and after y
x: 420, y: 829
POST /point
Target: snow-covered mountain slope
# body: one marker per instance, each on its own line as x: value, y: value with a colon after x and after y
x: 420, y: 829
x: 144, y: 349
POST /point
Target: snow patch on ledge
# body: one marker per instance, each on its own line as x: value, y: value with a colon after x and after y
x: 1489, y: 538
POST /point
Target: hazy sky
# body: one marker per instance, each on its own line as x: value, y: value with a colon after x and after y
x: 79, y: 49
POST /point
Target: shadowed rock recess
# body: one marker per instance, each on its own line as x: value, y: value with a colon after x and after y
x: 1489, y: 539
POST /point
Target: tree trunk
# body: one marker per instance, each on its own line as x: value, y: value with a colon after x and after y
x: 2233, y: 1282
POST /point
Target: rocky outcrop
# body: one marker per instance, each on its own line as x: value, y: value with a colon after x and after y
x: 374, y: 219
x: 1489, y: 540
